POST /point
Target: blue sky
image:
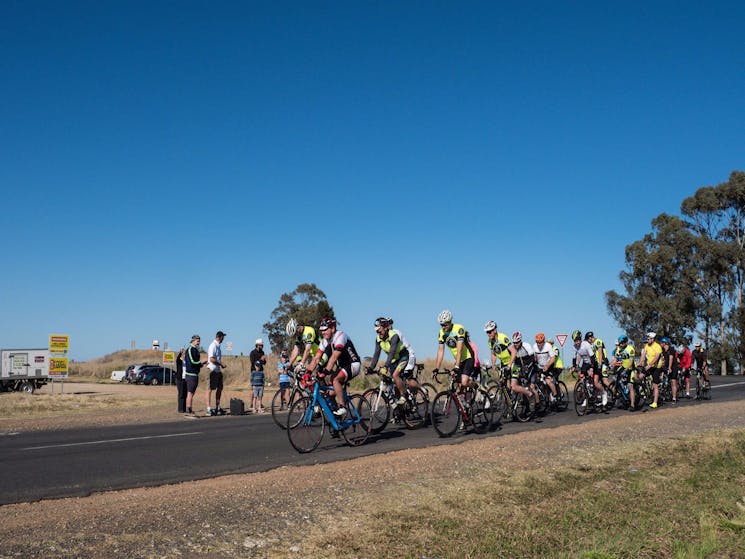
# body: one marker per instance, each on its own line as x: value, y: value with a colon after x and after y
x: 174, y: 167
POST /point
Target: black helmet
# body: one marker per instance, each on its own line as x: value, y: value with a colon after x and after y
x: 576, y: 335
x: 327, y: 322
x: 589, y: 335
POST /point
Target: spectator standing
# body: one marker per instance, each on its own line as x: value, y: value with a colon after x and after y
x: 215, y: 364
x: 258, y: 360
x: 192, y: 364
x: 283, y: 374
x: 181, y: 380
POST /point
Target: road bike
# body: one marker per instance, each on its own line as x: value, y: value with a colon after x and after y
x: 454, y: 405
x: 298, y: 391
x: 308, y: 416
x: 384, y: 404
x: 584, y: 395
x: 508, y: 405
x: 703, y: 386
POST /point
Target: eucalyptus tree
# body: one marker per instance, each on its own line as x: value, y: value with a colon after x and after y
x: 306, y: 303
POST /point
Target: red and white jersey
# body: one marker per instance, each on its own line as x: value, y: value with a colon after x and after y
x: 340, y: 342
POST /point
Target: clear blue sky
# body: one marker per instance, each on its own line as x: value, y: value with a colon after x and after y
x: 173, y: 167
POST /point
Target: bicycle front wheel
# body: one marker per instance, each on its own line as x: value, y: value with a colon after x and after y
x: 380, y: 411
x: 482, y: 413
x: 562, y: 396
x: 445, y: 414
x: 305, y: 425
x: 581, y: 398
x: 415, y: 413
x: 359, y: 410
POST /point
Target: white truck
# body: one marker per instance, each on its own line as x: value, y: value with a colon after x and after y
x: 24, y: 369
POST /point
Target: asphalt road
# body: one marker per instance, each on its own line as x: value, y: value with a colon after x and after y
x: 78, y: 462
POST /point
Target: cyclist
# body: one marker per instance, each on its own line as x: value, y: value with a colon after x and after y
x: 670, y: 364
x: 500, y: 345
x: 558, y: 367
x: 456, y: 337
x: 583, y: 363
x: 652, y: 360
x: 522, y: 364
x: 545, y: 359
x: 600, y: 364
x: 684, y: 374
x: 304, y: 337
x: 623, y: 360
x: 701, y: 359
x: 343, y: 362
x: 401, y: 359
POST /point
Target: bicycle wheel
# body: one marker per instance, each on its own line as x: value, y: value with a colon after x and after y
x: 416, y: 408
x: 306, y: 425
x: 445, y: 414
x: 277, y: 412
x: 562, y: 400
x: 430, y: 389
x: 521, y: 407
x: 705, y: 389
x: 581, y: 398
x: 358, y: 409
x: 379, y: 409
x: 499, y: 402
x: 481, y: 413
x: 543, y: 399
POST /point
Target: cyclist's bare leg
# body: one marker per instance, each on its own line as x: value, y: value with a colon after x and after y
x: 674, y: 385
x: 517, y: 387
x: 550, y: 382
x: 398, y: 381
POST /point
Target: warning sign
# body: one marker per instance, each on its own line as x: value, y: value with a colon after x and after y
x: 561, y: 338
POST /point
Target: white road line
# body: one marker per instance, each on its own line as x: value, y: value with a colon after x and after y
x: 726, y: 385
x: 113, y: 440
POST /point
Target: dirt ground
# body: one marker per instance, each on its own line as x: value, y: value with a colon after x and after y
x: 274, y: 514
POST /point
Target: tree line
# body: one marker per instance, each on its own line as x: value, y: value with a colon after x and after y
x: 685, y: 278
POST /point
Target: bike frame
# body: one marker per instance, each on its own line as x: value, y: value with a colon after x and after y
x: 321, y: 399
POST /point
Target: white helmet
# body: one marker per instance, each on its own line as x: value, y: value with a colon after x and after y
x: 489, y: 326
x: 444, y: 317
x: 291, y: 327
x: 259, y: 341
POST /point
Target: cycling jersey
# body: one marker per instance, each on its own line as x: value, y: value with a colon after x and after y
x: 699, y: 356
x: 525, y: 356
x: 310, y: 337
x: 625, y: 357
x: 401, y: 351
x: 499, y: 346
x: 598, y: 348
x: 457, y: 333
x: 654, y: 355
x: 543, y: 354
x: 583, y: 354
x: 558, y: 364
x: 341, y: 342
x: 685, y: 359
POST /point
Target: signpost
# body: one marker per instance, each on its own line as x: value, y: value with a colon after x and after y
x: 59, y: 346
x: 561, y: 338
x: 169, y: 359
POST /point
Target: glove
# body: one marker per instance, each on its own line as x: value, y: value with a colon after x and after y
x: 369, y: 371
x: 456, y: 370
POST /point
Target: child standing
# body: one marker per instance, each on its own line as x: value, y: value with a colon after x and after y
x: 283, y: 372
x: 258, y: 359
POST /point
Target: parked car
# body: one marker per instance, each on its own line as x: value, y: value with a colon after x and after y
x: 156, y: 375
x: 134, y: 372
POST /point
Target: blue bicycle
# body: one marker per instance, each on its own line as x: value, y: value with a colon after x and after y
x: 307, y: 418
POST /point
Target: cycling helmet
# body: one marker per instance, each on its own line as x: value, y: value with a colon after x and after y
x: 390, y: 321
x: 489, y: 326
x: 576, y: 335
x: 697, y: 344
x: 651, y: 335
x: 540, y: 337
x: 444, y: 317
x: 382, y: 321
x: 680, y: 349
x: 517, y: 337
x: 327, y: 322
x: 291, y: 328
x: 665, y: 340
x: 589, y: 334
x: 623, y: 339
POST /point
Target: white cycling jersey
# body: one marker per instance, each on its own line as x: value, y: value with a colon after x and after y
x: 583, y: 354
x: 543, y: 354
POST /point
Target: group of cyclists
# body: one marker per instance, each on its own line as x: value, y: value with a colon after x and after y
x: 330, y: 353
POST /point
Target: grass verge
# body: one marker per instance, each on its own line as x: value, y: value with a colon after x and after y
x: 685, y: 500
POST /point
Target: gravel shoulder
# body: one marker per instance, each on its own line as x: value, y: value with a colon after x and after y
x: 283, y: 512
